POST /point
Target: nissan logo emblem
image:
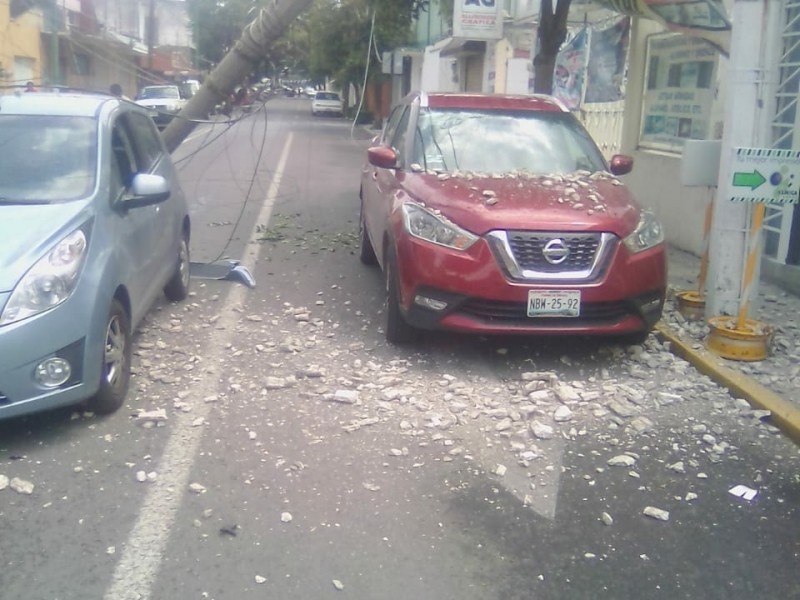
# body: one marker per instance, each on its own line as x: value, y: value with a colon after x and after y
x: 556, y: 251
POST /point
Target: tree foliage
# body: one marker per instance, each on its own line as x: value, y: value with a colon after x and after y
x: 329, y: 41
x: 217, y: 24
x: 339, y: 45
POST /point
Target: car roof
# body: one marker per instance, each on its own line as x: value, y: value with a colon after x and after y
x: 53, y: 103
x: 534, y: 102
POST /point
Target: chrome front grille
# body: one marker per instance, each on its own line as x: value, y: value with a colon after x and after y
x: 547, y: 255
x: 528, y: 250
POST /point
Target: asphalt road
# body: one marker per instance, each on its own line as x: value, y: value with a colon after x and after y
x: 301, y: 453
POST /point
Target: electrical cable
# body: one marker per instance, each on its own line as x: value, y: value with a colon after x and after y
x: 247, y: 190
x: 247, y: 197
x: 366, y: 74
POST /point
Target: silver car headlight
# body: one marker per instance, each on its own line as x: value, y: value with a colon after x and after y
x: 434, y: 228
x: 648, y: 233
x: 49, y: 282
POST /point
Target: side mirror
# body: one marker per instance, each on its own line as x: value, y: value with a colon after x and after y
x: 382, y: 157
x: 146, y: 190
x: 621, y: 164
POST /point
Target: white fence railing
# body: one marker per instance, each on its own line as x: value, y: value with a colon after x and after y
x: 603, y: 120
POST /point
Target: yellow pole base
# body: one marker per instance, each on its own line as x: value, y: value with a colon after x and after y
x: 691, y: 304
x: 747, y: 343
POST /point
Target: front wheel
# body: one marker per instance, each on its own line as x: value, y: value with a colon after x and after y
x: 115, y: 373
x: 634, y: 339
x: 177, y: 287
x: 366, y: 250
x: 398, y: 330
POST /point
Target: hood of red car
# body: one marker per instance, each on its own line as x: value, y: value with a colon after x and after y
x: 575, y: 202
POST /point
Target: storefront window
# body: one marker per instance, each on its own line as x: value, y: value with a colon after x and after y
x: 679, y: 93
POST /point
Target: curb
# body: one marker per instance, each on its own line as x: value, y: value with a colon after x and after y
x: 784, y: 415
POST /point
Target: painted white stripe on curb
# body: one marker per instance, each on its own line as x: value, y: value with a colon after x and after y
x: 139, y: 564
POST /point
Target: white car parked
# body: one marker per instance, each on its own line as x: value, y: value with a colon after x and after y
x: 327, y: 103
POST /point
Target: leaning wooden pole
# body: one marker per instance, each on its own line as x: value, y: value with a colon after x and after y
x: 242, y: 60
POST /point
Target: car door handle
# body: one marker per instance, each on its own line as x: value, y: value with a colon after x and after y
x: 374, y: 175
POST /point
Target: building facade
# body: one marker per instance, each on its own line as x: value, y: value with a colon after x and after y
x: 20, y: 46
x: 89, y: 44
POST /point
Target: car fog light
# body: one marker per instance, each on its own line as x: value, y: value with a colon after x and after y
x: 431, y: 303
x: 52, y: 372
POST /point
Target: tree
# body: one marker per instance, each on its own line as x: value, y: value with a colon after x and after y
x: 217, y: 24
x: 551, y: 34
x: 340, y: 36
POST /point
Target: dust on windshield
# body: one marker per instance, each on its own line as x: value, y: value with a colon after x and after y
x: 46, y: 158
x: 504, y: 142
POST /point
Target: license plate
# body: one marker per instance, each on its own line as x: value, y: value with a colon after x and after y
x: 554, y: 303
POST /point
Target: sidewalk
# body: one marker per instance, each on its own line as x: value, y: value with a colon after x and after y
x: 772, y: 384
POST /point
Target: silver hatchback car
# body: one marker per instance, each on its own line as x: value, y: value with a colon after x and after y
x: 94, y: 226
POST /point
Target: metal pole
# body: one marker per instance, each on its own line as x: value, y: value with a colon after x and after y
x: 151, y: 17
x: 245, y: 56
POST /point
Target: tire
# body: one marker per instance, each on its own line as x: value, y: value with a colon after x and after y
x: 398, y: 330
x: 115, y: 373
x: 366, y: 251
x: 634, y: 339
x: 177, y: 287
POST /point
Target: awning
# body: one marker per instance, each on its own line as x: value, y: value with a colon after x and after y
x: 462, y: 47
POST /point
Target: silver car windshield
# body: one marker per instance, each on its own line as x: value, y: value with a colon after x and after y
x: 170, y: 92
x: 497, y: 142
x: 47, y: 158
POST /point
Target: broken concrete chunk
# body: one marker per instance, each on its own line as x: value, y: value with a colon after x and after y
x: 22, y: 486
x: 621, y: 460
x: 153, y: 416
x: 656, y: 513
x: 542, y: 431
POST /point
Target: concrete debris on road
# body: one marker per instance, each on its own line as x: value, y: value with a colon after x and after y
x: 21, y: 486
x: 742, y: 491
x: 621, y: 460
x: 656, y: 513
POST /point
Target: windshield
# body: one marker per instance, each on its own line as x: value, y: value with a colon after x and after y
x: 327, y: 96
x: 46, y: 158
x: 166, y: 91
x: 495, y: 142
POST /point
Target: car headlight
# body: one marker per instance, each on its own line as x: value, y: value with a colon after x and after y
x: 433, y: 228
x: 49, y: 282
x: 648, y: 233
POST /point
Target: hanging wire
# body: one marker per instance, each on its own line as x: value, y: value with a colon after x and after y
x: 366, y: 74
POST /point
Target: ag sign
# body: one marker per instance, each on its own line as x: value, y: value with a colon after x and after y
x: 765, y: 175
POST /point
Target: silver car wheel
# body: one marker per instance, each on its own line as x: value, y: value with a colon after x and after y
x: 116, y: 339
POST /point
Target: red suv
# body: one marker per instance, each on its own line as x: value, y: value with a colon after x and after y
x: 498, y: 215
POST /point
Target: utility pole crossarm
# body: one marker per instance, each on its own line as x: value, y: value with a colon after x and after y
x: 256, y: 38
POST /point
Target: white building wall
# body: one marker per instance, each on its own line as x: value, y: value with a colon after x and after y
x: 429, y: 76
x: 174, y: 28
x: 417, y: 61
x: 655, y: 179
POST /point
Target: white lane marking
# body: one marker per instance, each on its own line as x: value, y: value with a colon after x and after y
x: 139, y: 564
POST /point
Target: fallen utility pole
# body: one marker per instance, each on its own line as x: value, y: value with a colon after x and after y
x: 242, y: 60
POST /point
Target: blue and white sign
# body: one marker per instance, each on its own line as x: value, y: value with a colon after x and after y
x: 478, y: 19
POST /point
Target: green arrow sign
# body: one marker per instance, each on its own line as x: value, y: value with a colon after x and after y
x: 751, y: 180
